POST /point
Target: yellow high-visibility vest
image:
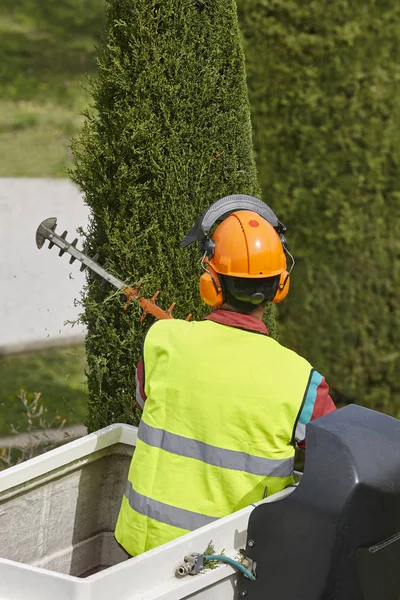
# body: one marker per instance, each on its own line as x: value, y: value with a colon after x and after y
x: 217, y: 430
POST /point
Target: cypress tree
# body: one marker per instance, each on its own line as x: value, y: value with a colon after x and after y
x: 169, y: 133
x: 324, y: 82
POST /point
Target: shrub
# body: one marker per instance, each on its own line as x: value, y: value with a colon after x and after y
x: 324, y: 83
x: 170, y: 134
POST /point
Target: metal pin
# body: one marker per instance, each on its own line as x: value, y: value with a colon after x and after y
x: 63, y: 235
x: 73, y: 258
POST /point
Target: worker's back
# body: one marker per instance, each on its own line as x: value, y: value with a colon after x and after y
x: 217, y: 431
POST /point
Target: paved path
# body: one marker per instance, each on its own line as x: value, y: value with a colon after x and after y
x: 37, y: 288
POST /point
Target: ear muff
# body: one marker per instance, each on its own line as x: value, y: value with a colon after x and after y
x: 210, y: 288
x: 283, y: 287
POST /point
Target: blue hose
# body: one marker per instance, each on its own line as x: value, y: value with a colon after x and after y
x: 233, y: 563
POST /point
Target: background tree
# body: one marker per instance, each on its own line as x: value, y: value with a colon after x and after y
x: 168, y: 134
x: 324, y: 83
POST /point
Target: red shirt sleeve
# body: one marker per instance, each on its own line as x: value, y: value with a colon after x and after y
x: 323, y: 402
x: 323, y: 405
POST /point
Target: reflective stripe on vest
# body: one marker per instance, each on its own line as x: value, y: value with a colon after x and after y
x: 212, y: 455
x: 165, y: 513
x: 216, y: 430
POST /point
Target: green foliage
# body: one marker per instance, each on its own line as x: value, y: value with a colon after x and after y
x: 324, y: 81
x: 38, y: 437
x: 171, y: 134
x: 57, y: 374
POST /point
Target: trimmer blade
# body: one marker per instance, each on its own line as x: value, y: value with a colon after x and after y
x: 46, y: 231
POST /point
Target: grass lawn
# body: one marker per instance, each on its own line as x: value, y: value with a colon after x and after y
x: 34, y: 139
x: 58, y: 373
x: 47, y: 50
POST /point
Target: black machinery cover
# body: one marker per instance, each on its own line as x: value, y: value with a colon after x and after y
x: 337, y: 536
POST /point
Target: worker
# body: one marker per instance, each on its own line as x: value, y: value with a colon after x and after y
x: 223, y: 403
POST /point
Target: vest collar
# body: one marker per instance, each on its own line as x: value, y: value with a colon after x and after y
x: 239, y: 320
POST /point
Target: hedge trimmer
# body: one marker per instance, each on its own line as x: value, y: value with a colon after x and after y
x: 46, y: 231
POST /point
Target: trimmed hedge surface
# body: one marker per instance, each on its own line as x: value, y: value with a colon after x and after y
x: 324, y: 86
x: 170, y: 134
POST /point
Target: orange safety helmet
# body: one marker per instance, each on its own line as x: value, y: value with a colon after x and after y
x: 245, y: 244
